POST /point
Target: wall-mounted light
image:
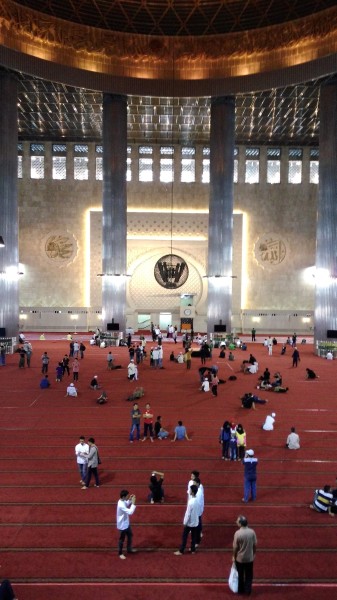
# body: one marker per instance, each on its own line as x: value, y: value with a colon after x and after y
x: 113, y: 275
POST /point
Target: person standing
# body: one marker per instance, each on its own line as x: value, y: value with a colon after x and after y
x: 93, y: 461
x: 76, y: 369
x: 270, y: 346
x: 148, y: 423
x: 110, y: 360
x: 82, y: 349
x: 295, y: 357
x: 126, y: 506
x: 250, y: 465
x: 29, y: 351
x: 81, y: 453
x: 65, y: 364
x: 188, y: 358
x: 45, y: 362
x: 135, y: 422
x: 3, y: 354
x: 76, y: 349
x: 253, y: 334
x: 191, y: 522
x: 244, y: 550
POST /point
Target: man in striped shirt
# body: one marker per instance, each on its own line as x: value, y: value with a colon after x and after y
x: 323, y: 500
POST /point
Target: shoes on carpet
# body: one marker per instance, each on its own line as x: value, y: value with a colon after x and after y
x: 178, y: 553
x: 143, y: 440
x: 122, y: 556
x: 152, y: 501
x: 82, y: 482
x: 96, y: 485
x: 151, y: 439
x: 84, y: 487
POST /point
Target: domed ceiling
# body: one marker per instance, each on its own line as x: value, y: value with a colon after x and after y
x: 276, y: 111
x: 179, y: 17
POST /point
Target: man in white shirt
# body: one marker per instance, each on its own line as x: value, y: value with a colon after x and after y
x: 191, y: 522
x: 76, y: 349
x: 269, y: 422
x: 126, y: 506
x: 293, y: 440
x: 81, y: 452
x: 71, y: 390
x: 201, y: 505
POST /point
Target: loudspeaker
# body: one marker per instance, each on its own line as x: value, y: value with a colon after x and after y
x: 112, y: 327
x: 219, y: 328
x: 331, y: 334
x: 2, y: 332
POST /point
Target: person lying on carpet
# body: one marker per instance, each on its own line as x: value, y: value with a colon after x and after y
x: 156, y: 488
x: 249, y: 400
x: 311, y: 374
x: 138, y: 393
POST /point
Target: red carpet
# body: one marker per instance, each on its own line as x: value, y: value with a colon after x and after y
x: 59, y: 541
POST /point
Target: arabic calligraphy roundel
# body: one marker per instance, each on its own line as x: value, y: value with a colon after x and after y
x: 270, y: 250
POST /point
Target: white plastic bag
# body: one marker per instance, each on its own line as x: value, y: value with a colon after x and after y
x: 233, y: 580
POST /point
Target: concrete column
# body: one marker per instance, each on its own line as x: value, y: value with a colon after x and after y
x: 9, y: 255
x: 114, y: 219
x: 326, y: 233
x: 220, y: 226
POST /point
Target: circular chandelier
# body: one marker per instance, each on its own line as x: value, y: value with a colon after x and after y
x: 171, y: 271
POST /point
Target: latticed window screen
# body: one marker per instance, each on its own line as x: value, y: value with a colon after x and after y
x: 37, y: 149
x: 187, y: 164
x: 99, y: 168
x: 99, y: 149
x: 236, y: 171
x: 313, y: 176
x: 81, y: 148
x: 206, y: 151
x: 166, y: 170
x: 19, y: 167
x: 252, y: 173
x: 205, y: 177
x: 81, y: 171
x: 37, y: 167
x: 145, y: 150
x: 59, y: 148
x: 295, y: 171
x: 128, y: 169
x: 145, y: 169
x: 167, y: 150
x: 273, y: 171
x: 59, y: 167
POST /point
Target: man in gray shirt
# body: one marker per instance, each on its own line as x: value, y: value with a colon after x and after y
x: 244, y: 550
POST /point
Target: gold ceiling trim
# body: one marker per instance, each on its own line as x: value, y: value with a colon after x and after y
x: 160, y: 57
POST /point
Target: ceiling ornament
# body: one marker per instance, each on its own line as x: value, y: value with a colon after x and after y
x: 149, y: 58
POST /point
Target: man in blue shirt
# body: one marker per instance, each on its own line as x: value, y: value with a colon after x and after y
x: 250, y: 464
x: 180, y: 433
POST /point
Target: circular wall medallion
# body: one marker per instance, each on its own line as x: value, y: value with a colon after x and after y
x: 171, y: 271
x: 270, y: 250
x: 187, y: 312
x: 60, y: 247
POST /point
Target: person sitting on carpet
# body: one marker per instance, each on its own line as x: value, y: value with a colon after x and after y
x: 293, y: 440
x: 44, y: 383
x: 180, y: 433
x: 323, y: 500
x: 231, y: 356
x: 103, y: 398
x: 71, y: 390
x: 222, y: 352
x: 249, y: 400
x: 268, y: 425
x: 159, y: 432
x: 311, y: 374
x: 156, y: 488
x: 94, y: 383
x: 205, y: 385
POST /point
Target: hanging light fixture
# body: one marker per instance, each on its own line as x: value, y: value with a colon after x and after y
x: 171, y: 271
x: 2, y: 243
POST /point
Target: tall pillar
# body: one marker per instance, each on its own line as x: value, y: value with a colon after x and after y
x: 220, y: 224
x: 9, y: 255
x: 114, y: 220
x: 326, y: 233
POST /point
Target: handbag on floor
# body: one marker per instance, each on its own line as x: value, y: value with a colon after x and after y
x: 233, y: 580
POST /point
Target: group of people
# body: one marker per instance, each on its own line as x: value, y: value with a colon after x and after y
x: 88, y: 459
x: 151, y: 429
x: 233, y: 441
